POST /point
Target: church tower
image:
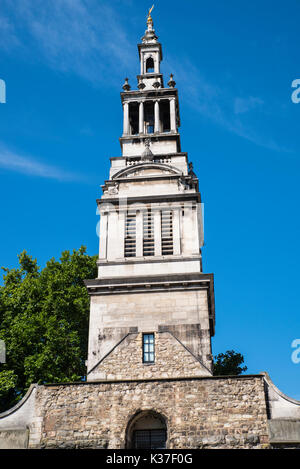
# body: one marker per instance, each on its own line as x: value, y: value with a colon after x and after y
x: 152, y: 307
x: 149, y: 367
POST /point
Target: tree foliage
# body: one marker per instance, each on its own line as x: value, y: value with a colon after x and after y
x: 44, y: 316
x: 228, y: 363
x: 44, y: 322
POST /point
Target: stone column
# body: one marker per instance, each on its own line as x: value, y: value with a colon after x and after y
x: 112, y: 237
x: 188, y: 230
x: 142, y: 60
x: 156, y: 116
x: 200, y: 223
x: 141, y: 117
x: 173, y: 115
x: 103, y: 235
x: 121, y: 232
x: 176, y: 232
x: 126, y: 119
x: 156, y: 63
x: 157, y: 233
x: 139, y: 233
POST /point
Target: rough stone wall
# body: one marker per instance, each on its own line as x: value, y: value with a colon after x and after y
x: 199, y: 412
x: 172, y: 360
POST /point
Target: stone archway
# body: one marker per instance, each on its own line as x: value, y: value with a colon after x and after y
x: 146, y: 430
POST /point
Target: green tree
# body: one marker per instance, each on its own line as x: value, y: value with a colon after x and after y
x: 228, y: 363
x: 44, y: 317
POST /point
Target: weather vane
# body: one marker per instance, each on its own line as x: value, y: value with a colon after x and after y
x: 149, y: 19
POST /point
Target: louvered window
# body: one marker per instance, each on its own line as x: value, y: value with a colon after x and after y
x: 166, y: 232
x: 148, y: 233
x: 130, y: 235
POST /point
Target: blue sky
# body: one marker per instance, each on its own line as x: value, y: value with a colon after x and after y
x: 64, y: 63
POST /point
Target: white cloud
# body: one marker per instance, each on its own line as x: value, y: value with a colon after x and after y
x: 243, y: 105
x: 12, y: 161
x: 8, y: 37
x: 78, y: 36
x: 220, y: 105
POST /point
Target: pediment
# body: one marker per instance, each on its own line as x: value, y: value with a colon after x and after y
x: 146, y: 170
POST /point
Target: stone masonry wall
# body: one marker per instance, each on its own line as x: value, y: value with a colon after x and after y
x: 199, y: 412
x: 172, y: 360
x: 113, y: 316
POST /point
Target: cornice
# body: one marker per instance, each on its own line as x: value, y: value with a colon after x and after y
x: 194, y: 196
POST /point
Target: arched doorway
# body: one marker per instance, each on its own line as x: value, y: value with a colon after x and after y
x: 146, y: 430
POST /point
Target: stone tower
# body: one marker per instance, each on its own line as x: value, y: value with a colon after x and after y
x: 152, y: 307
x: 149, y: 369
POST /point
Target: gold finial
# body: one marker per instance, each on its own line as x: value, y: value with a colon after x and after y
x: 149, y: 19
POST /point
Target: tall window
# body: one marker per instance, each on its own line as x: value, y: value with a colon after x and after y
x: 130, y: 235
x: 149, y: 65
x: 164, y: 111
x: 166, y: 232
x: 134, y: 118
x: 149, y: 116
x: 148, y: 348
x: 148, y: 233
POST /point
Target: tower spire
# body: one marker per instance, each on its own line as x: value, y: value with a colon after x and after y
x: 150, y: 35
x: 151, y: 111
x: 149, y: 18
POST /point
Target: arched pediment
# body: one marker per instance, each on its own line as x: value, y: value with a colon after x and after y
x: 146, y: 169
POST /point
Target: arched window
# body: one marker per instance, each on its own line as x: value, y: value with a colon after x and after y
x: 149, y: 65
x: 146, y: 430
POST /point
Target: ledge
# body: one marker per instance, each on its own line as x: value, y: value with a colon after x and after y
x: 149, y: 260
x: 183, y: 378
x: 152, y: 198
x: 156, y: 156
